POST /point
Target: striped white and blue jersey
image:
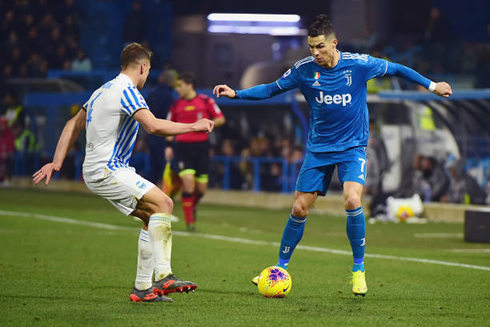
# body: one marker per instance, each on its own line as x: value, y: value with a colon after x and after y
x: 111, y: 128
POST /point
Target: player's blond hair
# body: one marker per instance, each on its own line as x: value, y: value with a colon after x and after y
x: 133, y: 53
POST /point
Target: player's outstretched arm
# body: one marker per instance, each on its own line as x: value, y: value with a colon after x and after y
x: 224, y: 90
x: 258, y: 92
x: 70, y: 133
x: 162, y: 127
x: 442, y: 89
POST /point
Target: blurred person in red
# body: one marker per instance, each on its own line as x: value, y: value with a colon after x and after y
x: 192, y: 149
x: 7, y: 140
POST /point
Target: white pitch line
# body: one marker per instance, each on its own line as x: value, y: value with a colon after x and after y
x: 237, y: 240
x: 64, y: 220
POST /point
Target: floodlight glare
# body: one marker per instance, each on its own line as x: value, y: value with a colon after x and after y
x: 254, y: 18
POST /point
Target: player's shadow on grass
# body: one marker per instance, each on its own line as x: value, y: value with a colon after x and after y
x: 222, y: 291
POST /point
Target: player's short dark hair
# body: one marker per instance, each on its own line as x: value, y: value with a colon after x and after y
x: 132, y: 53
x: 321, y: 26
x: 188, y: 78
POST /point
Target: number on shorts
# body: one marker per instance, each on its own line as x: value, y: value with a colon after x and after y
x: 362, y: 164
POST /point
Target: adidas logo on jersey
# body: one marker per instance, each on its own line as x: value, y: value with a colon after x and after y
x: 361, y: 176
x: 316, y: 84
x: 343, y: 99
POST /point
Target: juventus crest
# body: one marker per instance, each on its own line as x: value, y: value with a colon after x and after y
x: 348, y: 77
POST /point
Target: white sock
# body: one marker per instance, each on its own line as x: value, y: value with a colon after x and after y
x: 160, y: 230
x: 146, y: 262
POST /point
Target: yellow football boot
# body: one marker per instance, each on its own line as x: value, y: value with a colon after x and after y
x: 358, y: 282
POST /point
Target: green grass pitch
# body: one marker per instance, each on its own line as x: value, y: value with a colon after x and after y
x: 56, y: 273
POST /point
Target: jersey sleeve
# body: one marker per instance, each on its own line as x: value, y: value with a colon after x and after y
x: 288, y: 80
x: 132, y: 101
x: 84, y: 107
x: 407, y: 74
x: 376, y: 68
x: 213, y: 109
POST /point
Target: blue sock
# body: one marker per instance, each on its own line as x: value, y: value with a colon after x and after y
x: 290, y: 238
x: 356, y: 231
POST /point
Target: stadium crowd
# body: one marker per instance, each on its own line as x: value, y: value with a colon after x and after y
x: 37, y: 36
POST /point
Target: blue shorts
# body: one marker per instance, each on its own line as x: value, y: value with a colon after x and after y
x: 317, y: 169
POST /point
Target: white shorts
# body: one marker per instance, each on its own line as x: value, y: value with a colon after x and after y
x: 121, y: 188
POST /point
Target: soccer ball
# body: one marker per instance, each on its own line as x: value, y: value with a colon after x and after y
x: 274, y: 282
x: 404, y: 212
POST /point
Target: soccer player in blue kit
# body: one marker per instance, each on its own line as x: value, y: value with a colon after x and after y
x: 334, y: 86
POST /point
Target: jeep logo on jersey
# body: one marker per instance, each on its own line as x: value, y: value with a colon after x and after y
x: 343, y: 99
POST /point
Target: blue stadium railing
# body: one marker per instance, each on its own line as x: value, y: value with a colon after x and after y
x: 288, y: 176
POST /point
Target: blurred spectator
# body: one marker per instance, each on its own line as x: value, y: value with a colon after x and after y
x: 11, y: 109
x: 26, y: 25
x: 34, y: 65
x: 228, y: 149
x: 8, y: 72
x: 135, y: 25
x: 57, y: 59
x: 25, y: 140
x: 67, y: 9
x: 40, y: 9
x: 46, y: 27
x: 16, y: 59
x: 463, y: 188
x: 12, y: 42
x: 70, y: 29
x: 377, y: 160
x: 32, y: 41
x: 81, y: 63
x: 26, y: 148
x: 67, y: 65
x: 9, y: 23
x: 435, y: 181
x: 159, y: 100
x: 6, y: 150
x: 438, y: 28
x: 412, y: 179
x: 367, y: 41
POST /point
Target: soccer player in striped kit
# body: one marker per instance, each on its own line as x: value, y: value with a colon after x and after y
x: 111, y: 118
x: 334, y: 86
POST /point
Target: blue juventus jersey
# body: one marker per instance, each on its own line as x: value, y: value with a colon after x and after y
x: 337, y: 99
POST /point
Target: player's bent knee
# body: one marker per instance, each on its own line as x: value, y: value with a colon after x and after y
x: 300, y: 210
x: 352, y: 202
x: 165, y: 204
